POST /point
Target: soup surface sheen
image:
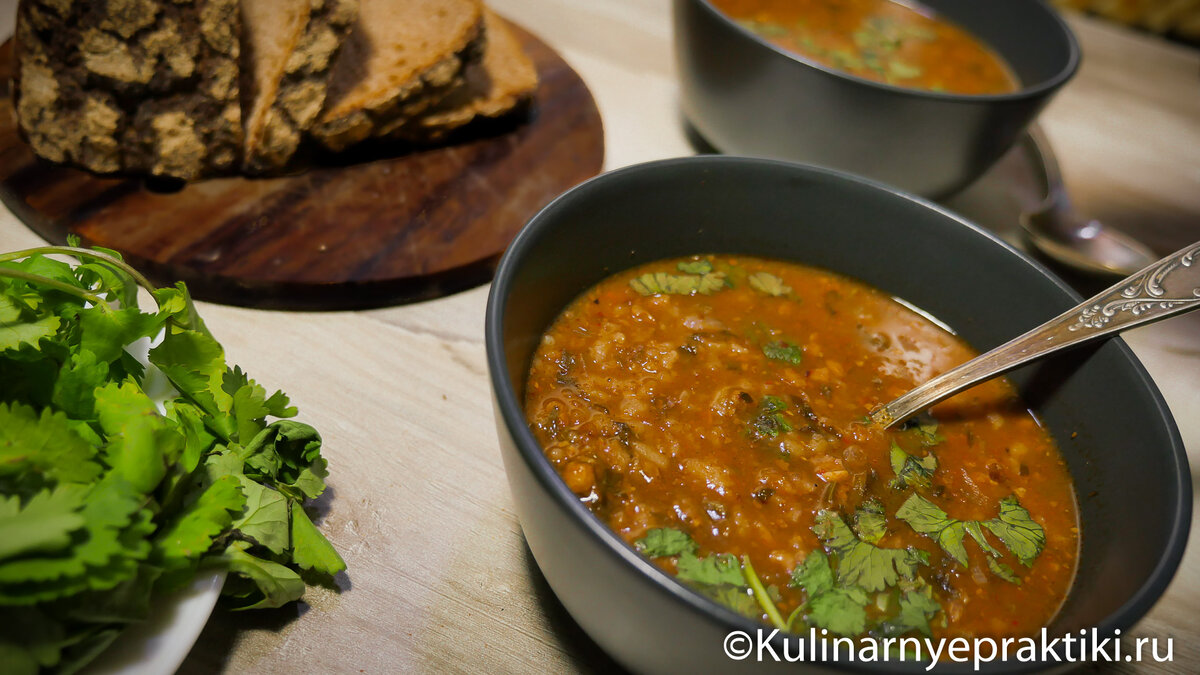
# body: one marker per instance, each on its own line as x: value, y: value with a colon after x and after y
x: 881, y: 40
x: 711, y: 411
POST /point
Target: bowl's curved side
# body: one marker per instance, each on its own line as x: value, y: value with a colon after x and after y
x: 908, y: 247
x: 749, y: 97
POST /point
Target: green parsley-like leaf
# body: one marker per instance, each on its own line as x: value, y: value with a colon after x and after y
x: 310, y: 549
x: 770, y: 421
x: 276, y: 584
x: 917, y: 607
x: 662, y: 283
x: 925, y: 428
x: 695, y: 267
x: 869, y: 522
x: 665, y: 541
x: 841, y: 611
x: 903, y: 71
x: 838, y: 609
x: 716, y: 569
x: 814, y: 575
x: 14, y: 334
x: 780, y: 350
x: 861, y: 564
x: 926, y: 518
x: 39, y: 449
x: 910, y: 470
x: 1003, y: 571
x: 768, y: 283
x: 44, y: 524
x: 1017, y: 529
x: 192, y: 532
x: 265, y: 517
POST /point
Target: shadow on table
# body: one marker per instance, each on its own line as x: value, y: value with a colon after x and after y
x: 586, y: 655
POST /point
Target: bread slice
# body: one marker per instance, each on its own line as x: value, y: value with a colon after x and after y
x: 288, y: 49
x: 402, y: 57
x: 145, y: 87
x: 503, y: 81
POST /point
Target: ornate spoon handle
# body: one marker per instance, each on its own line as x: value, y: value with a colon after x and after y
x: 1168, y: 287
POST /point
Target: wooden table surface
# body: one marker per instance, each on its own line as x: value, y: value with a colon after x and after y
x: 439, y: 575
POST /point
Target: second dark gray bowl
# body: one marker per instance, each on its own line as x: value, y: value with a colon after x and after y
x: 1114, y: 429
x: 748, y: 97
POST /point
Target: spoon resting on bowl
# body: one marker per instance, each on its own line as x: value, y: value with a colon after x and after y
x: 1165, y: 288
x: 1055, y: 228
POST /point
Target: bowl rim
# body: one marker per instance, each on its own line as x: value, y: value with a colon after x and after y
x: 1044, y: 87
x: 511, y: 414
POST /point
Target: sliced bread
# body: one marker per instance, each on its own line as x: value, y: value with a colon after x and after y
x: 501, y: 82
x: 288, y: 50
x: 402, y: 57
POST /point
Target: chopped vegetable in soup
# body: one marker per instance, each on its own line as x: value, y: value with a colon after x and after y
x: 880, y: 40
x: 711, y: 410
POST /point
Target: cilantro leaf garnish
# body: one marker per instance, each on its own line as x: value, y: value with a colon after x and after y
x: 770, y: 420
x: 704, y: 282
x: 869, y: 522
x: 718, y: 568
x: 860, y: 563
x: 1017, y: 529
x: 768, y: 283
x: 1014, y: 527
x: 910, y: 470
x: 665, y: 541
x: 925, y: 428
x: 839, y: 609
x: 780, y: 350
x: 926, y: 518
x: 695, y: 267
x: 1003, y: 571
x: 917, y: 606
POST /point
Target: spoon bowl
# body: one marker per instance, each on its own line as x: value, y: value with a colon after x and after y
x: 1056, y: 229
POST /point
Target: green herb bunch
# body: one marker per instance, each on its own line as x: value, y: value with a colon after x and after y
x: 120, y: 480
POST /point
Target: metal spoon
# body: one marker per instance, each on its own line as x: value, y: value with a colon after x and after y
x: 1060, y: 232
x: 1169, y: 286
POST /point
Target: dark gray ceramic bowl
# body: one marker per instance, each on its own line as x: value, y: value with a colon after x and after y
x: 1116, y: 433
x: 748, y: 97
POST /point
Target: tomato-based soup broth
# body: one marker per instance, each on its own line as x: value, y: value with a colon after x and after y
x: 879, y: 40
x: 712, y: 411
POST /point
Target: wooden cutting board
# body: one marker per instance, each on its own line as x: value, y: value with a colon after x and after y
x: 377, y: 227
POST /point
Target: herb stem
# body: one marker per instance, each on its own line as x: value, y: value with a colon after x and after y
x: 760, y: 594
x: 57, y: 285
x: 80, y: 252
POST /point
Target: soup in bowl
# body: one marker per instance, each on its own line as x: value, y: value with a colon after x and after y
x: 631, y: 320
x: 924, y: 96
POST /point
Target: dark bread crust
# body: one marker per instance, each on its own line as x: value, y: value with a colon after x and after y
x: 145, y: 86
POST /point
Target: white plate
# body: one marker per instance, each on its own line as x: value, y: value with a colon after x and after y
x: 159, y: 644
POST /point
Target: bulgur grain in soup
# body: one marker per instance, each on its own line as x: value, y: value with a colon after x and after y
x: 711, y: 410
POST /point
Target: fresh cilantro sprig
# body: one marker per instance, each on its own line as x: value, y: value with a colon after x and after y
x: 698, y: 278
x: 107, y: 495
x: 720, y: 576
x: 1013, y: 526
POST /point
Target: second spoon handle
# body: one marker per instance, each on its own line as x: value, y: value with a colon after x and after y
x: 1165, y: 288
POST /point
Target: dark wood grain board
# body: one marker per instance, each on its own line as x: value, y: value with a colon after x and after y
x: 382, y: 226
